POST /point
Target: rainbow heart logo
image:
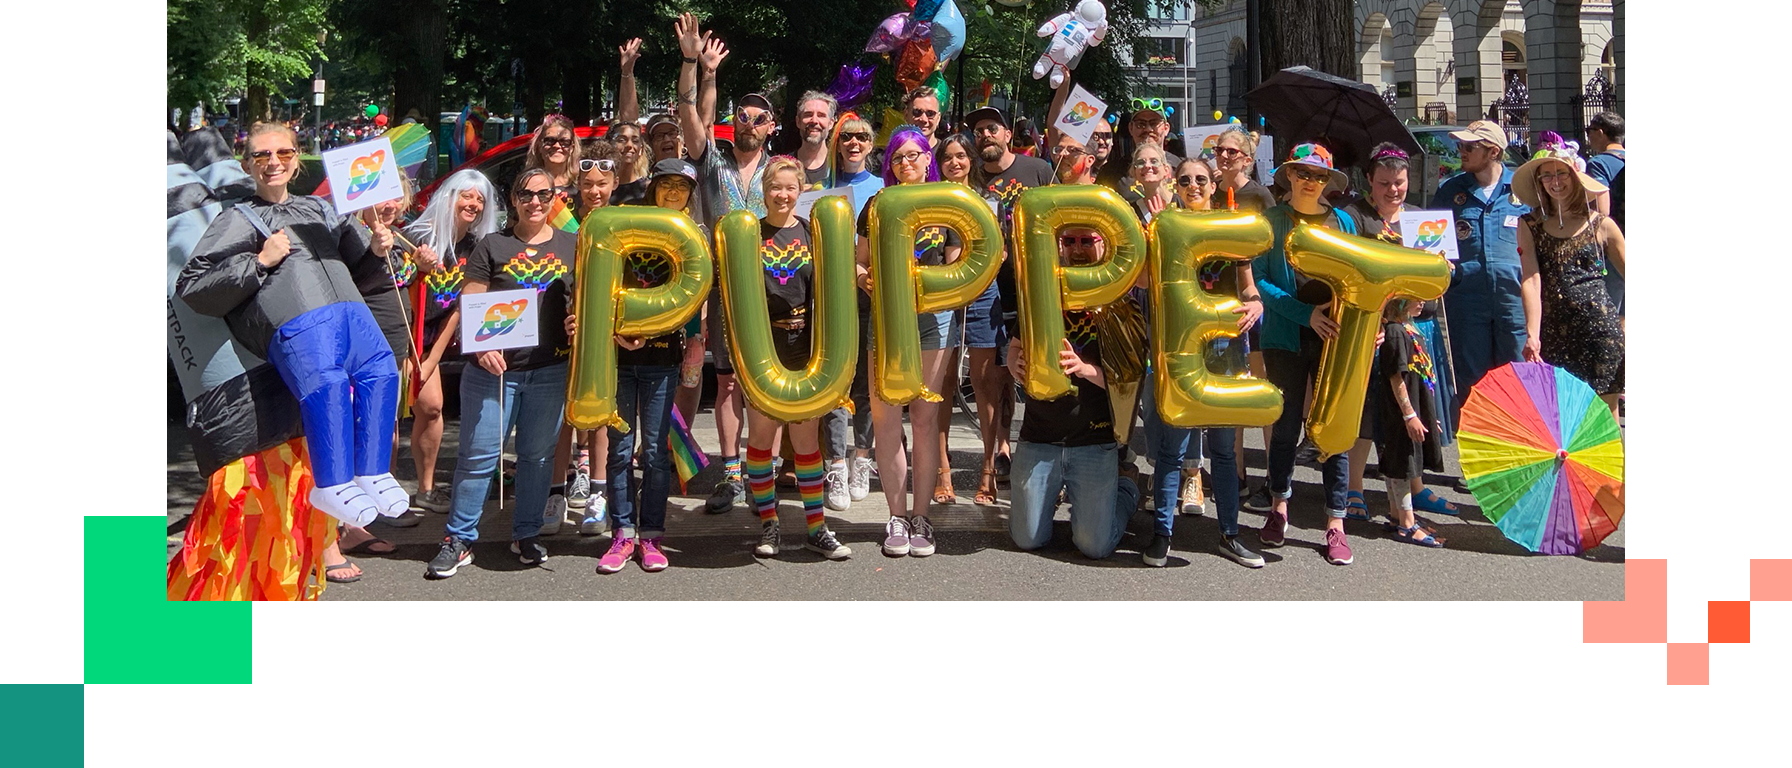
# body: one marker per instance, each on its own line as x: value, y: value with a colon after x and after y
x: 1430, y: 236
x: 364, y: 173
x: 1080, y: 113
x: 500, y: 319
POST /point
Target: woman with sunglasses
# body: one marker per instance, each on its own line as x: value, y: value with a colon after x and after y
x: 555, y: 149
x: 281, y: 270
x: 911, y: 162
x: 853, y: 138
x: 789, y: 270
x: 1236, y: 189
x: 527, y: 384
x: 1293, y: 335
x: 462, y: 210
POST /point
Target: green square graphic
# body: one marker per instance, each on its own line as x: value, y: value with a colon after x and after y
x: 41, y: 725
x: 134, y: 634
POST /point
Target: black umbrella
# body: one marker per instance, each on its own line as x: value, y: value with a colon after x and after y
x: 1348, y: 117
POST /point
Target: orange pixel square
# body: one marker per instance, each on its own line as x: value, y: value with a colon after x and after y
x: 1728, y: 621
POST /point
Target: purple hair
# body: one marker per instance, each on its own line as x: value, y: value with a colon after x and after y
x: 901, y: 136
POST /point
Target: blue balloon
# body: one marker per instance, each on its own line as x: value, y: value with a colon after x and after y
x: 948, y: 32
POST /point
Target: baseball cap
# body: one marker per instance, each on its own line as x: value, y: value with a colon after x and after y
x: 985, y: 113
x: 657, y: 121
x: 757, y: 100
x: 1482, y: 130
x: 673, y: 166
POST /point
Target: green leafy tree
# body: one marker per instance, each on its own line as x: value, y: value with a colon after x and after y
x: 258, y: 48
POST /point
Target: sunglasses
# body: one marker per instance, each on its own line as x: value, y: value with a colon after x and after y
x: 260, y: 156
x: 1227, y: 151
x: 557, y: 142
x: 927, y: 113
x: 1086, y: 241
x: 1192, y: 181
x: 908, y: 157
x: 1313, y: 177
x: 864, y: 136
x: 1103, y: 136
x: 605, y: 165
x: 1068, y: 150
x: 990, y: 129
x: 755, y: 120
x: 541, y: 195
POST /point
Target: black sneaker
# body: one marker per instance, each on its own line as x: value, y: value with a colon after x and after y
x: 455, y: 553
x: 728, y: 492
x: 529, y: 551
x: 770, y: 540
x: 823, y: 541
x: 1259, y: 500
x: 1157, y: 553
x: 1234, y: 549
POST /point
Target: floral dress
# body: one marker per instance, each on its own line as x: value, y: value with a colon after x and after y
x: 1580, y: 330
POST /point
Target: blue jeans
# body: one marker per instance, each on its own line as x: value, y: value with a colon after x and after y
x: 1293, y: 372
x: 1100, y: 500
x: 1170, y: 447
x: 644, y: 398
x: 534, y: 402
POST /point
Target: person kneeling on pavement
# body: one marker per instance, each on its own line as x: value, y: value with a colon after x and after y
x: 1068, y: 443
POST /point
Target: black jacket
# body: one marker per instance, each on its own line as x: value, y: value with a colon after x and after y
x: 223, y: 279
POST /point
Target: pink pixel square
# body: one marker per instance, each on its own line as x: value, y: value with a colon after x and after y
x: 1689, y: 664
x: 1770, y: 579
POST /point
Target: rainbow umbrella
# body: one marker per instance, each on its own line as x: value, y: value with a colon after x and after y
x: 1544, y: 458
x: 412, y: 145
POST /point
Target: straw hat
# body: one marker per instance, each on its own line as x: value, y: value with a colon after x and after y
x: 1524, y: 180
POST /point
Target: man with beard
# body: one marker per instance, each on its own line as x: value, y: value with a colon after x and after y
x: 731, y: 178
x: 815, y: 120
x: 922, y: 108
x: 1006, y: 175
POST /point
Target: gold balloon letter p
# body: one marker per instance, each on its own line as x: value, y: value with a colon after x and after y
x: 1363, y: 274
x: 902, y: 289
x: 604, y: 307
x: 1189, y: 317
x: 1047, y: 289
x: 774, y: 390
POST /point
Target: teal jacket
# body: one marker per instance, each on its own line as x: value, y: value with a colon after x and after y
x: 1283, y: 314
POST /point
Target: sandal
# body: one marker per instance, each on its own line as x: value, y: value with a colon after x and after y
x: 367, y: 548
x: 1427, y: 501
x: 342, y: 566
x: 1355, y: 508
x: 1419, y: 535
x: 986, y: 490
x: 942, y: 489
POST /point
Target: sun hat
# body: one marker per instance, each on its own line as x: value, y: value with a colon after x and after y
x: 1530, y: 192
x: 1312, y: 156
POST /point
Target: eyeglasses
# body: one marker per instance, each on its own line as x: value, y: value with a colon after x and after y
x: 550, y: 141
x: 1554, y: 175
x: 754, y: 120
x: 606, y: 165
x: 927, y: 113
x: 908, y: 157
x: 1227, y: 151
x: 1313, y: 177
x: 1086, y: 241
x: 542, y: 195
x: 990, y: 129
x: 864, y: 136
x: 677, y: 185
x: 1068, y: 150
x: 1192, y: 181
x: 260, y: 156
x: 1103, y: 136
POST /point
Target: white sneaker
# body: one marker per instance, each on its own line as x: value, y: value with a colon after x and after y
x: 859, y: 486
x: 594, y: 522
x: 554, y: 516
x: 834, y: 484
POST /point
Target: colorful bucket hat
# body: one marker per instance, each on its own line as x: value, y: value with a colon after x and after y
x: 1312, y: 156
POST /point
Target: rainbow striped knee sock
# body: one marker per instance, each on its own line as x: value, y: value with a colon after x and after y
x: 760, y: 484
x: 808, y: 479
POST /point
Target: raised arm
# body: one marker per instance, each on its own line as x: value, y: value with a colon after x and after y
x: 628, y: 104
x: 1059, y: 96
x: 692, y: 122
x: 707, y: 64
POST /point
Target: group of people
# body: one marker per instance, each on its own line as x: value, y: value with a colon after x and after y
x: 1538, y: 251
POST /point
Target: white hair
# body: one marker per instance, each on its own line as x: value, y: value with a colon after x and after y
x: 435, y: 227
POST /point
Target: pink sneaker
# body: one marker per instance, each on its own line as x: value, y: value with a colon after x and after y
x: 622, y: 549
x: 1275, y: 529
x: 652, y: 559
x: 1337, y: 552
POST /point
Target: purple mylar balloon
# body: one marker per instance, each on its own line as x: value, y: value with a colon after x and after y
x: 888, y: 35
x: 853, y: 85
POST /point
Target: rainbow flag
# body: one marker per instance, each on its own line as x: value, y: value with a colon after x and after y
x: 463, y: 144
x: 560, y: 216
x: 687, y: 457
x: 412, y: 145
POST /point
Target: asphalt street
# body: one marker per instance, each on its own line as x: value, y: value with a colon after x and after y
x: 712, y: 559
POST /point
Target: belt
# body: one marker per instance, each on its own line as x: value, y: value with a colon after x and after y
x: 791, y: 324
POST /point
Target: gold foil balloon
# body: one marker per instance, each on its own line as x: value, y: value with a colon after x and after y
x: 774, y: 390
x: 1189, y: 318
x: 1362, y: 274
x: 902, y: 289
x: 604, y: 307
x: 1047, y: 289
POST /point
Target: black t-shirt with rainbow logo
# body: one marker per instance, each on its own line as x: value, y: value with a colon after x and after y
x: 504, y: 263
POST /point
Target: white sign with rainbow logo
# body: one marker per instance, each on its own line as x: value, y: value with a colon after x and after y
x: 362, y: 174
x: 1082, y: 111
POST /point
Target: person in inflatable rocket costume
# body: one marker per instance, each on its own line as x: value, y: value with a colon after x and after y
x: 276, y: 269
x: 1071, y: 32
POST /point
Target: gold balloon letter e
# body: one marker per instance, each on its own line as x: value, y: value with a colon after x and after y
x: 1190, y: 317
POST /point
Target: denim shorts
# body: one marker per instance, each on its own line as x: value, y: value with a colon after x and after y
x: 983, y: 327
x: 939, y: 330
